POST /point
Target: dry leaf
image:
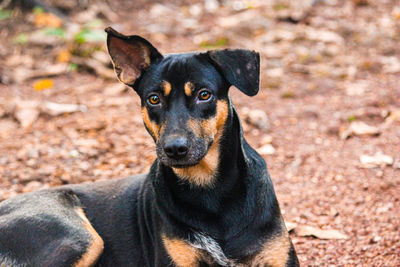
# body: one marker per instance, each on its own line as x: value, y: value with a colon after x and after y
x: 393, y: 116
x: 64, y: 56
x: 55, y: 109
x: 358, y: 128
x: 43, y: 84
x: 377, y: 160
x: 47, y: 20
x: 22, y: 74
x: 305, y: 230
x: 95, y: 65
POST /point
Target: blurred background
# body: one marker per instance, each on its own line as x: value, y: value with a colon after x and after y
x: 327, y: 118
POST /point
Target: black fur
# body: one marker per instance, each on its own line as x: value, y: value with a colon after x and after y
x: 239, y: 210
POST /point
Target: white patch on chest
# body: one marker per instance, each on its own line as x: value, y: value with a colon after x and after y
x: 207, y: 243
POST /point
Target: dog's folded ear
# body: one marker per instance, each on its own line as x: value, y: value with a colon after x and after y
x: 240, y: 68
x: 131, y: 55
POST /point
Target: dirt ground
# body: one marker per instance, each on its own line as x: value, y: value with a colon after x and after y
x: 329, y: 127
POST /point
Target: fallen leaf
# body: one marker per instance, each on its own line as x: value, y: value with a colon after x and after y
x: 56, y: 109
x: 43, y: 84
x: 396, y: 12
x: 394, y: 115
x: 95, y: 65
x: 22, y: 74
x: 305, y: 230
x: 377, y: 160
x: 64, y: 56
x: 358, y: 128
x: 47, y: 20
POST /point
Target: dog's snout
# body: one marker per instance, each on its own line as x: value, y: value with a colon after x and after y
x: 176, y: 147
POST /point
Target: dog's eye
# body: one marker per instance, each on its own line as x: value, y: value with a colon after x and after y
x: 154, y: 99
x: 204, y: 95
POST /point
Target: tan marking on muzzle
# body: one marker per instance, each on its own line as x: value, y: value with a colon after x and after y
x: 166, y: 86
x: 95, y: 249
x: 275, y: 252
x: 181, y: 253
x: 204, y: 172
x: 153, y: 128
x: 188, y: 88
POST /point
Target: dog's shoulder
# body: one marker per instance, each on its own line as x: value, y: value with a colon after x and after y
x: 52, y: 218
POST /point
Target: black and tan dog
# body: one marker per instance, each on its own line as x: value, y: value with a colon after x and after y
x: 207, y: 201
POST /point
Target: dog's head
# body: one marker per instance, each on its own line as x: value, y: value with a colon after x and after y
x: 184, y: 98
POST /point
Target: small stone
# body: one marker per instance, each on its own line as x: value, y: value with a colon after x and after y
x: 27, y: 116
x: 377, y: 160
x: 358, y: 128
x: 256, y: 117
x: 266, y: 139
x: 267, y: 149
x: 275, y: 73
x: 74, y: 153
x: 376, y: 239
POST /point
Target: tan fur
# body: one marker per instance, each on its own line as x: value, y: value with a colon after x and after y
x: 96, y: 246
x: 203, y: 173
x: 153, y: 127
x: 188, y: 88
x: 181, y: 253
x: 166, y: 86
x: 275, y: 252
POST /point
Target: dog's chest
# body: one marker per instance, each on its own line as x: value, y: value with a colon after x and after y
x: 211, y: 247
x: 274, y: 252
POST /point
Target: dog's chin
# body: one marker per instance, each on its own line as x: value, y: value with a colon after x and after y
x: 180, y: 164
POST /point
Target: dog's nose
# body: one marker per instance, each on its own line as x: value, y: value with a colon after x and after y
x: 176, y: 148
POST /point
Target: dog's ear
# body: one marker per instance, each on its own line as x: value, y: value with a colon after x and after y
x: 240, y: 67
x: 130, y: 55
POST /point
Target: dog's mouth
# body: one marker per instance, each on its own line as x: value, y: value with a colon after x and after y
x: 196, y: 153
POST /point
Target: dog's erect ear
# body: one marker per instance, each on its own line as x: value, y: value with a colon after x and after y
x: 131, y: 55
x: 240, y: 67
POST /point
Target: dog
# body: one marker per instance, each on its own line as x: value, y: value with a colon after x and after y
x: 208, y: 199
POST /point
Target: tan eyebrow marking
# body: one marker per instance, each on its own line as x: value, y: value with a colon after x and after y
x: 188, y: 88
x: 166, y: 86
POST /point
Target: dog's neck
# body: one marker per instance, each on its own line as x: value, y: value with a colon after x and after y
x: 226, y: 203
